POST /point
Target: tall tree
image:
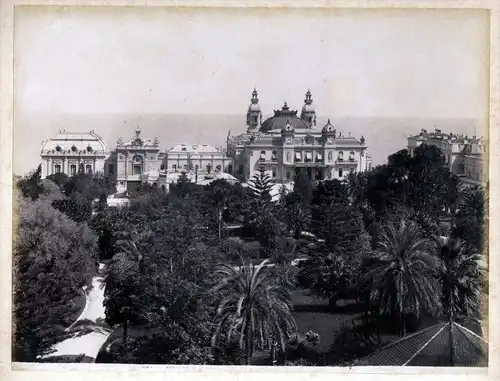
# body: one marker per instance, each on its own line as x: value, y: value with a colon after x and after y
x: 460, y: 279
x: 31, y: 186
x: 53, y: 258
x: 401, y: 273
x: 303, y: 188
x: 470, y: 219
x: 261, y: 184
x: 253, y: 309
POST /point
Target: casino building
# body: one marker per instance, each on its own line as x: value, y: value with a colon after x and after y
x: 286, y: 144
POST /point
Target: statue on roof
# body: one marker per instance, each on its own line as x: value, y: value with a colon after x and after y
x: 156, y: 142
x: 119, y: 141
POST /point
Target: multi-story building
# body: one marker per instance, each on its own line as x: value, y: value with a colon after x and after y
x: 463, y: 154
x: 286, y: 144
x: 131, y: 162
x: 72, y: 152
x: 201, y: 158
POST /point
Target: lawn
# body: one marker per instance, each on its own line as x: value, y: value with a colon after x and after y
x: 312, y: 314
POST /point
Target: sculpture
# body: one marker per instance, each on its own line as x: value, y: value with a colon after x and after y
x: 119, y: 141
x: 330, y: 156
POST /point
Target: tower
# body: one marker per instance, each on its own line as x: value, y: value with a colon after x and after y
x: 308, y: 112
x: 254, y: 115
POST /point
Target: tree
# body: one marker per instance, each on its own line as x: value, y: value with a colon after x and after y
x: 53, y: 258
x: 470, y: 217
x: 297, y: 218
x: 356, y: 183
x: 303, y: 188
x: 260, y: 184
x: 460, y: 279
x: 31, y: 187
x: 217, y: 194
x: 401, y: 273
x: 252, y: 308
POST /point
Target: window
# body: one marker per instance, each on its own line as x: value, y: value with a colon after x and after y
x: 111, y: 169
x: 57, y: 168
x: 185, y: 167
x: 298, y: 156
x: 240, y: 168
x: 254, y: 119
x: 137, y: 169
x: 174, y: 168
x: 288, y: 175
x: 218, y: 168
x: 72, y: 169
x: 319, y: 157
x: 308, y: 156
x: 88, y: 168
x: 274, y: 172
x: 183, y: 149
x: 341, y: 156
x: 275, y: 156
x: 351, y: 156
x: 341, y: 173
x: 196, y: 167
x: 262, y: 155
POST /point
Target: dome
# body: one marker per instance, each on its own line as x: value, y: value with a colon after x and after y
x: 283, y: 117
x: 254, y: 107
x: 308, y: 108
x: 328, y: 127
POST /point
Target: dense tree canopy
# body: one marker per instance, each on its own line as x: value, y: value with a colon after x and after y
x: 53, y: 258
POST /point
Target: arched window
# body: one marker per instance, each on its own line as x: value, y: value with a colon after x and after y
x: 275, y: 156
x: 351, y: 156
x: 262, y: 155
x: 341, y: 156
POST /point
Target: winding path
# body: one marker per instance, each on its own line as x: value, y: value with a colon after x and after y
x: 90, y: 329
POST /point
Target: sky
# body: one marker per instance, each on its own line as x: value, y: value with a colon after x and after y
x: 80, y: 63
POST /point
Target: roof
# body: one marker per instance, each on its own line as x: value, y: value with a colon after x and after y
x: 443, y: 344
x: 202, y: 148
x: 281, y: 118
x: 75, y: 142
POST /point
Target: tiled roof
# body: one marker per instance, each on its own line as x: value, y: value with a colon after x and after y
x: 439, y: 345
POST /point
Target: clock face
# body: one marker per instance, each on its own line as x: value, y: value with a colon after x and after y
x: 289, y: 140
x: 329, y: 139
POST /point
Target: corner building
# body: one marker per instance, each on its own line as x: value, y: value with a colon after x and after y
x: 287, y: 144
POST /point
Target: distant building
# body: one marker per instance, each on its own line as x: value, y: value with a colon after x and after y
x: 131, y: 162
x: 71, y: 152
x: 463, y: 154
x: 286, y: 144
x: 201, y: 158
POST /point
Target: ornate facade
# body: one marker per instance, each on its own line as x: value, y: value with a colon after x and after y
x: 131, y: 162
x: 286, y: 144
x: 71, y: 152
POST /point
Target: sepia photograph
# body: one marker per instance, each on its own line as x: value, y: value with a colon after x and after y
x: 280, y: 187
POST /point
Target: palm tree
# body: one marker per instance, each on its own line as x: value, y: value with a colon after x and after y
x: 356, y: 185
x: 297, y: 218
x: 460, y: 278
x: 253, y: 308
x: 471, y: 217
x: 401, y: 273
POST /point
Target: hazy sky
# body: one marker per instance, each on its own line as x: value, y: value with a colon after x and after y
x: 362, y: 63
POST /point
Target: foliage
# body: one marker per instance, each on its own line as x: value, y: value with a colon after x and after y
x: 30, y: 186
x: 260, y: 185
x: 460, y: 278
x: 53, y: 258
x: 252, y: 309
x: 303, y: 188
x: 401, y: 273
x: 470, y: 218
